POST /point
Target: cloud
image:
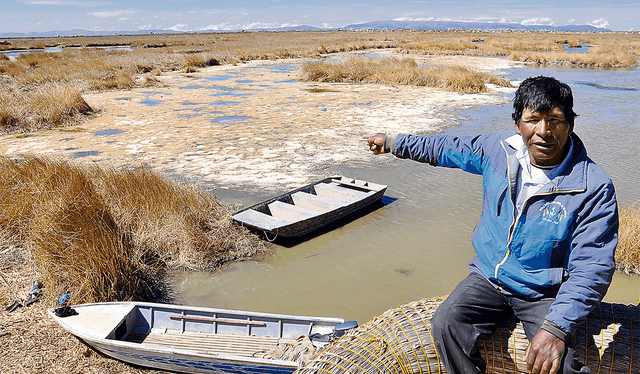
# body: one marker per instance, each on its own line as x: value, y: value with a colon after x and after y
x: 114, y: 13
x: 179, y: 27
x: 537, y: 22
x: 601, y: 22
x: 247, y: 26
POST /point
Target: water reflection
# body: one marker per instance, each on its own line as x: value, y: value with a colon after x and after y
x: 108, y: 132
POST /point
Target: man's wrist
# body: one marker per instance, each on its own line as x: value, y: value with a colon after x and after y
x: 553, y: 329
x: 390, y: 143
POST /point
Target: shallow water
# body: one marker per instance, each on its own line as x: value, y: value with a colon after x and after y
x: 418, y: 245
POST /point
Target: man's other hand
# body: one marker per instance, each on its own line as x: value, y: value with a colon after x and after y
x: 544, y: 354
x: 375, y: 142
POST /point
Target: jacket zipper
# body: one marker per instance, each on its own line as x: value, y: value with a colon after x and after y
x: 512, y: 226
x: 524, y: 204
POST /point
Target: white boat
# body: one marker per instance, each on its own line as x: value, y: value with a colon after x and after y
x: 311, y: 207
x: 198, y: 340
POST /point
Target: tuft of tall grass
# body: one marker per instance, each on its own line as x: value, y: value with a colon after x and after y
x: 43, y: 106
x: 404, y: 71
x: 628, y: 250
x: 613, y: 59
x: 108, y: 234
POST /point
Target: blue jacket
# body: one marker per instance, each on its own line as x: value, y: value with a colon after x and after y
x: 563, y: 242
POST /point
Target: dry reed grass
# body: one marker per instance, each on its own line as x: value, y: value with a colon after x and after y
x: 43, y: 106
x: 84, y: 67
x: 106, y: 234
x: 628, y: 250
x: 31, y: 342
x: 395, y: 71
x: 585, y: 60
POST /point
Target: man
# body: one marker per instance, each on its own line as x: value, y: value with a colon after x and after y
x: 546, y: 238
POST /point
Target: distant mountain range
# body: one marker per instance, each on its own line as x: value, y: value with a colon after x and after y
x: 375, y: 25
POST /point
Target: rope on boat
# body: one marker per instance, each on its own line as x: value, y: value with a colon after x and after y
x: 267, y: 236
x: 400, y: 342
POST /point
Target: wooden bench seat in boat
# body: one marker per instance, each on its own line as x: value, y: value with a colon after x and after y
x: 259, y: 219
x: 290, y: 212
x: 334, y: 191
x: 315, y: 202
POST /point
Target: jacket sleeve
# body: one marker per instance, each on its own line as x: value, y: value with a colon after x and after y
x: 464, y: 152
x: 591, y: 261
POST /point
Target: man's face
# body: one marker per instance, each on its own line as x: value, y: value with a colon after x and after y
x: 545, y: 135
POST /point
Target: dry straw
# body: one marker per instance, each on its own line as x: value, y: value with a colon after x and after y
x: 396, y: 71
x: 108, y: 234
x: 628, y: 250
x: 400, y: 342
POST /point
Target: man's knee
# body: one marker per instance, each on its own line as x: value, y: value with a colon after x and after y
x: 443, y: 318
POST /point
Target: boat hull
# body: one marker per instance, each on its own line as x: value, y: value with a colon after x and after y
x: 195, y: 339
x: 334, y: 198
x: 185, y: 363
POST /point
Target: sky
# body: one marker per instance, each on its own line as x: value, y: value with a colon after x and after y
x: 229, y: 15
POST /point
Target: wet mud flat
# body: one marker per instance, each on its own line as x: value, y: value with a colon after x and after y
x: 251, y: 126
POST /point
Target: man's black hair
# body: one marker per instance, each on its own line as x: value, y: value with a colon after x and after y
x: 541, y: 94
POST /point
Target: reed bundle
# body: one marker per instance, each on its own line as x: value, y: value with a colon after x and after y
x: 400, y: 342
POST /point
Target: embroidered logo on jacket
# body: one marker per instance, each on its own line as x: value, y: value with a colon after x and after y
x: 553, y: 212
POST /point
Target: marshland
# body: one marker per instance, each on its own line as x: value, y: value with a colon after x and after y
x: 121, y: 166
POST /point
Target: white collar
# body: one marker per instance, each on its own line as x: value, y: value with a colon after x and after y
x: 522, y: 154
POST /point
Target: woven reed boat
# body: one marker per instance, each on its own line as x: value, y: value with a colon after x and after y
x: 311, y: 207
x: 400, y: 342
x: 198, y: 340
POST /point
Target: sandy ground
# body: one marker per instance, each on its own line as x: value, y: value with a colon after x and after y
x: 229, y: 127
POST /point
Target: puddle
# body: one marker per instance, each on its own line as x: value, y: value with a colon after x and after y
x: 230, y: 119
x: 108, y: 132
x: 223, y: 88
x: 584, y: 49
x: 189, y: 103
x: 84, y: 154
x: 123, y: 99
x: 225, y: 77
x: 221, y: 102
x: 229, y: 93
x: 151, y: 102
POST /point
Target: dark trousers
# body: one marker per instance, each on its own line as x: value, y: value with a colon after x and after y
x: 475, y: 309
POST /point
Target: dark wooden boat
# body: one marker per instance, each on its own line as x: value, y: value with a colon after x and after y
x: 311, y: 207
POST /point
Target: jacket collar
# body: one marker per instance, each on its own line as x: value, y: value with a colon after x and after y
x: 573, y: 173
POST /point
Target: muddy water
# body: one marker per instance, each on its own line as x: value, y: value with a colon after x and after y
x: 418, y: 244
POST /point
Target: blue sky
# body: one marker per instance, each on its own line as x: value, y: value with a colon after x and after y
x: 203, y: 15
